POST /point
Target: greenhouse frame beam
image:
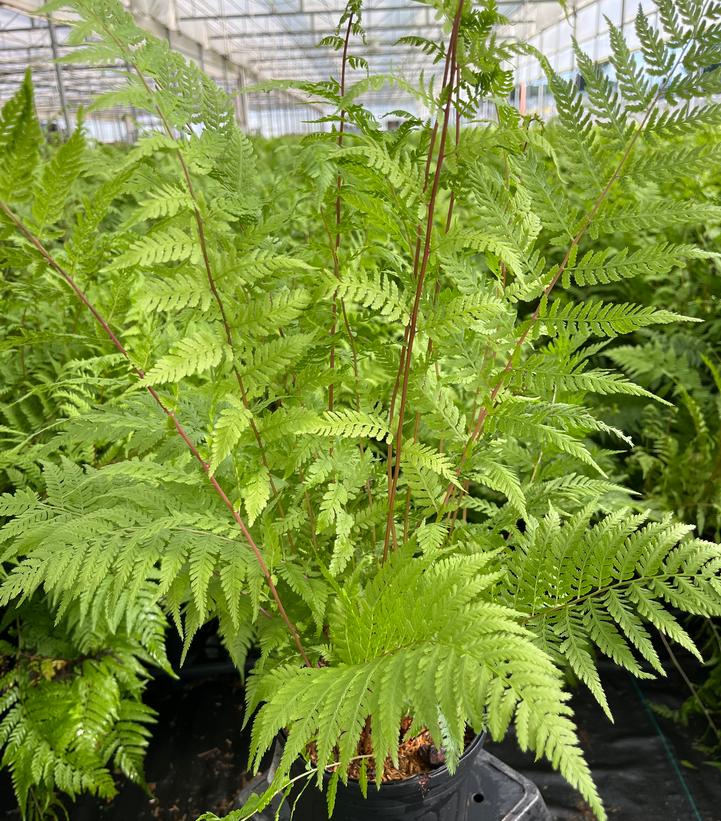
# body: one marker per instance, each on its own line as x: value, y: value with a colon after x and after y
x: 367, y: 51
x: 29, y: 29
x: 301, y: 12
x: 58, y: 74
x: 257, y: 53
x: 334, y: 59
x: 234, y: 35
x: 179, y: 40
x: 260, y: 15
x: 412, y: 29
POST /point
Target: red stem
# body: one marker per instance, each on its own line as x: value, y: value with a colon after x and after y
x: 450, y: 58
x: 588, y: 219
x: 339, y: 183
x: 292, y: 629
x: 436, y: 291
x: 213, y: 287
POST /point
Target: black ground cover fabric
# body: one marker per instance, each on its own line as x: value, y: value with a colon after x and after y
x: 645, y: 766
x: 197, y: 756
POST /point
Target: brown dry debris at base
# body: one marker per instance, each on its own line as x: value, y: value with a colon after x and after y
x: 416, y: 754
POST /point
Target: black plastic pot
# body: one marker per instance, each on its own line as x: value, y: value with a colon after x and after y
x: 482, y: 789
x: 433, y: 796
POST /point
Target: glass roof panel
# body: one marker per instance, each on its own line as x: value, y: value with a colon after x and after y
x: 238, y: 42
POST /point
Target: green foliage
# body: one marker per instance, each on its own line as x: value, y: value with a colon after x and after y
x: 53, y: 188
x: 171, y: 245
x: 19, y: 143
x: 195, y: 354
x: 459, y: 659
x: 71, y: 710
x: 355, y: 411
x: 352, y: 424
x: 373, y: 291
x: 599, y: 319
x: 604, y: 584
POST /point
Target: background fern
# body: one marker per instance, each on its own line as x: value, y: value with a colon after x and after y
x: 71, y: 711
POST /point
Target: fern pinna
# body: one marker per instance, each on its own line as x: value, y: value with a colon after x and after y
x: 349, y: 413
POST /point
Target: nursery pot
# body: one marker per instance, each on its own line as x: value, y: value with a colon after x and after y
x: 482, y: 789
x: 435, y: 795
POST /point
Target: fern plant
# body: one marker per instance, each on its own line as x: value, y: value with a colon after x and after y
x: 71, y: 711
x: 676, y: 458
x: 353, y: 421
x: 71, y: 714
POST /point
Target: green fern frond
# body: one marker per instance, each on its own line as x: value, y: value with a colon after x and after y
x: 169, y: 245
x: 171, y: 294
x: 71, y: 711
x: 167, y: 201
x: 376, y: 291
x: 580, y: 140
x: 353, y: 424
x: 53, y: 187
x: 604, y: 100
x: 229, y: 427
x: 596, y: 584
x: 637, y: 91
x: 195, y: 354
x: 259, y: 264
x: 684, y: 120
x: 423, y: 457
x: 266, y: 314
x: 266, y: 360
x: 604, y: 266
x: 543, y: 375
x: 398, y: 173
x: 20, y: 139
x: 502, y: 673
x: 528, y: 421
x: 497, y: 476
x: 256, y: 493
x: 431, y: 536
x: 604, y: 319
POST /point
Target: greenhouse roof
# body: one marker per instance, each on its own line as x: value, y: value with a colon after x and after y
x: 238, y: 42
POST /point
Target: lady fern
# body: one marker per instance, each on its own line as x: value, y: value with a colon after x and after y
x: 333, y: 423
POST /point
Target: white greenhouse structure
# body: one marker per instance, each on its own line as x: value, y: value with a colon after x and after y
x: 243, y: 42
